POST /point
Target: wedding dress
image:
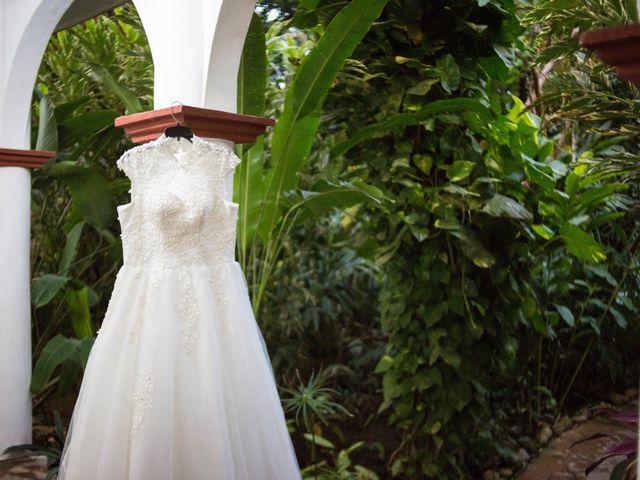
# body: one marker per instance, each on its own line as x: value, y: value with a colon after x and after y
x: 178, y: 384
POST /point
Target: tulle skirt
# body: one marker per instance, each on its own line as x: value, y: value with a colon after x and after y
x: 178, y: 385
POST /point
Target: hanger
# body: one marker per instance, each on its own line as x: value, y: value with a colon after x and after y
x: 178, y: 131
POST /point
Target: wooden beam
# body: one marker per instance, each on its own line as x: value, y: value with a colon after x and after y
x: 12, y: 157
x: 617, y: 46
x: 204, y: 122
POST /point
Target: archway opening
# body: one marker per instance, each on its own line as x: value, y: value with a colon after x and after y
x: 90, y: 74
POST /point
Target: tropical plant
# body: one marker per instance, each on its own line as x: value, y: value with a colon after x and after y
x: 88, y: 78
x: 342, y: 467
x: 263, y: 225
x: 626, y: 469
x: 574, y: 92
x: 499, y: 246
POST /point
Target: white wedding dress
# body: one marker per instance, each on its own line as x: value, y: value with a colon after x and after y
x: 178, y: 385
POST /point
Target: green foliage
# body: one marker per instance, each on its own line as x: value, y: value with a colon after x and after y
x: 90, y: 74
x: 496, y: 222
x: 70, y: 353
x: 577, y: 94
x: 291, y: 141
x: 343, y: 467
x: 312, y: 401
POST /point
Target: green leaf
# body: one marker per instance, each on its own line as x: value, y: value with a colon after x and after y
x: 450, y: 357
x: 420, y: 233
x: 128, y: 97
x: 70, y: 247
x: 69, y: 373
x: 544, y: 231
x: 328, y: 196
x: 502, y: 206
x: 249, y: 177
x: 460, y: 170
x: 86, y: 125
x: 318, y: 440
x: 320, y: 67
x: 64, y: 110
x: 450, y: 76
x: 447, y: 224
x: 57, y: 351
x: 78, y: 303
x: 384, y: 364
x: 296, y: 128
x: 472, y: 247
x: 619, y: 472
x: 423, y: 162
x: 46, y: 287
x: 618, y: 317
x: 426, y: 378
x: 401, y: 120
x: 572, y: 184
x: 423, y: 87
x: 248, y: 193
x: 602, y: 272
x: 289, y: 157
x: 252, y: 72
x: 84, y: 348
x: 92, y: 198
x: 581, y: 244
x: 539, y: 173
x: 308, y: 4
x: 47, y: 126
x: 566, y: 315
x: 435, y: 428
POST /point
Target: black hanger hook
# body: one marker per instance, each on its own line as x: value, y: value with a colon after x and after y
x: 178, y: 131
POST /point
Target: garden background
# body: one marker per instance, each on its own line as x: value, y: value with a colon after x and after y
x: 440, y: 235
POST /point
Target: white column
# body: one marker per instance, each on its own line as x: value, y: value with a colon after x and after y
x: 15, y: 326
x: 196, y: 47
x: 25, y: 29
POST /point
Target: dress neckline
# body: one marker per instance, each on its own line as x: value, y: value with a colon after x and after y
x: 176, y: 142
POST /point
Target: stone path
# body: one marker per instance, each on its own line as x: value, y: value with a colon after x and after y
x: 22, y: 466
x: 560, y: 461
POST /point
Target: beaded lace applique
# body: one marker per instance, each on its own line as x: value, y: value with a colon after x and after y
x: 142, y: 401
x: 178, y: 218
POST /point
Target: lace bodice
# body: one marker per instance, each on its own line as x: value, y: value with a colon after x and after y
x: 179, y: 213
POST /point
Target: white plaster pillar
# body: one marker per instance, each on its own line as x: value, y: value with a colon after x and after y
x: 25, y: 29
x: 15, y: 326
x: 196, y: 47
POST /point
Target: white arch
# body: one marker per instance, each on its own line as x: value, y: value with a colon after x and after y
x: 226, y: 50
x: 25, y: 29
x: 27, y: 26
